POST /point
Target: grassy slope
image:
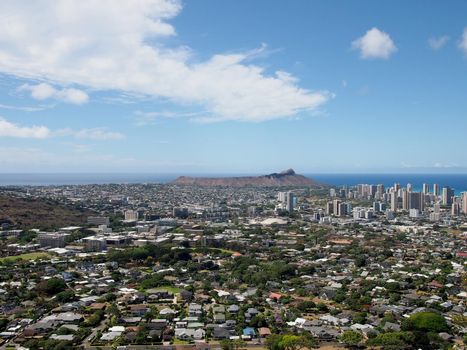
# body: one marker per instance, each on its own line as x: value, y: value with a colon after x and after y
x: 26, y: 257
x: 28, y: 213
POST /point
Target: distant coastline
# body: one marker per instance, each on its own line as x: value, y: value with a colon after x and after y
x: 456, y: 181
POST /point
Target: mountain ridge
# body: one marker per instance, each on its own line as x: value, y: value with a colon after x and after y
x: 285, y: 178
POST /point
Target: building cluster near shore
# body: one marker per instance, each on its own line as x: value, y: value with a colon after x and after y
x: 434, y: 205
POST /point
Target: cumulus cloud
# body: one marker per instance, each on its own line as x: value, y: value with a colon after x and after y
x: 8, y: 129
x: 375, y: 44
x: 123, y: 46
x: 45, y: 91
x: 437, y: 43
x: 463, y: 42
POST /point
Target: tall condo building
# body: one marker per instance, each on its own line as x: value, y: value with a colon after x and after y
x: 426, y: 188
x: 455, y: 209
x: 405, y: 199
x: 448, y: 193
x: 397, y: 187
x: 282, y: 197
x: 289, y: 204
x: 416, y: 201
x: 436, y: 189
x: 394, y: 201
x: 287, y: 200
x: 464, y: 203
x: 336, y: 207
x: 436, y: 208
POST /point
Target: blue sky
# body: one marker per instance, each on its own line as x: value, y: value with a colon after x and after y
x: 233, y: 86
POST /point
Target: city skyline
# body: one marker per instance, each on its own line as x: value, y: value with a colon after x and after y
x: 233, y: 87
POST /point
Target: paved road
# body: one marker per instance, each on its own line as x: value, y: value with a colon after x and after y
x: 101, y: 327
x: 158, y: 347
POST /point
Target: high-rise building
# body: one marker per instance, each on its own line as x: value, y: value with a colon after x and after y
x: 416, y: 200
x: 376, y: 207
x: 464, y: 203
x: 448, y: 193
x: 131, y: 215
x: 365, y: 190
x: 397, y: 187
x: 360, y: 189
x: 409, y: 187
x: 426, y: 188
x: 342, y: 209
x: 405, y: 199
x: 455, y: 209
x: 282, y: 197
x: 436, y: 189
x: 336, y: 207
x: 329, y: 208
x: 394, y: 201
x: 343, y: 192
x: 289, y: 204
x: 380, y: 188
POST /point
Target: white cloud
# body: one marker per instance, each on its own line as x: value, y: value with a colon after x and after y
x: 148, y: 118
x: 122, y: 46
x: 72, y: 95
x: 375, y: 44
x: 23, y: 108
x: 445, y: 166
x: 463, y: 42
x: 437, y: 43
x: 91, y: 134
x: 41, y: 91
x: 8, y: 129
x: 45, y: 91
x: 436, y: 165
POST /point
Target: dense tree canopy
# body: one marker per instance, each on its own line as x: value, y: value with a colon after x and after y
x: 351, y: 338
x: 52, y: 286
x: 426, y: 322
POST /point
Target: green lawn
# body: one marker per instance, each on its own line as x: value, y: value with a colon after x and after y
x: 227, y: 251
x: 170, y: 289
x: 26, y: 257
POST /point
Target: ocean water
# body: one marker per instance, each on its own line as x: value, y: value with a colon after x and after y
x: 457, y: 181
